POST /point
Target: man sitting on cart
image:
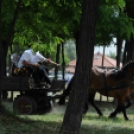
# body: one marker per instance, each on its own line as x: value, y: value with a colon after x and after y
x: 30, y: 61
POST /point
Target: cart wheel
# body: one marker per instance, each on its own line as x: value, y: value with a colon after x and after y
x: 24, y: 104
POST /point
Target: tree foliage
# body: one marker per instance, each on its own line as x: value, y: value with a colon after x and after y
x: 43, y: 22
x: 113, y: 22
x: 48, y: 23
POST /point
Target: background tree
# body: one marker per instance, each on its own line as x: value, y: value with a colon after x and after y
x: 129, y: 45
x: 113, y: 23
x: 35, y: 23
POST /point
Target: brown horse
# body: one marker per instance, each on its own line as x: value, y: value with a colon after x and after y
x: 114, y: 83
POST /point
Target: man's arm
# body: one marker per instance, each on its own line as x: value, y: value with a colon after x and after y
x: 25, y: 63
x: 51, y: 62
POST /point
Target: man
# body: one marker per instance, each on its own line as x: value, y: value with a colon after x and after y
x: 30, y: 61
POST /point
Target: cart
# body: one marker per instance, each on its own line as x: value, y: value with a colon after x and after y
x: 31, y: 101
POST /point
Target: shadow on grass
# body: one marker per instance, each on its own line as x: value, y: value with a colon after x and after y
x: 105, y: 129
x: 10, y: 124
x: 102, y: 118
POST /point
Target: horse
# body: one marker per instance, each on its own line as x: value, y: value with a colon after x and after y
x: 113, y: 83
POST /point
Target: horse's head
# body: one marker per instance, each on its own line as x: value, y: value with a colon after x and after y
x: 128, y: 70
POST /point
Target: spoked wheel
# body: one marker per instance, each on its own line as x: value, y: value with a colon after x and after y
x: 24, y: 104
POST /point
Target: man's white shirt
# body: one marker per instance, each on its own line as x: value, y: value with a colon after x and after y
x: 30, y: 57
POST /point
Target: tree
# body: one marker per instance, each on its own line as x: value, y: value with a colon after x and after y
x: 85, y: 49
x: 2, y: 108
x: 114, y: 23
x: 40, y: 22
x: 129, y: 46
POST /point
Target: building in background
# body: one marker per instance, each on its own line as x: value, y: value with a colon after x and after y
x: 99, y: 60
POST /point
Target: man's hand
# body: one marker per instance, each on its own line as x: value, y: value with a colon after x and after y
x: 36, y: 65
x: 47, y: 60
x: 58, y: 65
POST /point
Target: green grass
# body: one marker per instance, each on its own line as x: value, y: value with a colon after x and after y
x: 51, y: 122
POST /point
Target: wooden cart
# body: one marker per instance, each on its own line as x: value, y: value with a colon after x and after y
x: 31, y: 101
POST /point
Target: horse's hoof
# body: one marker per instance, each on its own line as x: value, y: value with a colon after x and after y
x: 100, y: 115
x: 127, y: 119
x: 111, y: 116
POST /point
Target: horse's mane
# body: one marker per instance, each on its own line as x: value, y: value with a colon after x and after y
x: 126, y: 66
x: 117, y: 74
x: 120, y: 74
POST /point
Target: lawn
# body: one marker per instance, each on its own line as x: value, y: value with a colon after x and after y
x: 50, y: 123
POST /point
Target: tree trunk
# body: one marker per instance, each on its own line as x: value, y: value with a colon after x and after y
x: 57, y: 59
x: 124, y: 54
x: 0, y: 60
x: 2, y: 109
x: 128, y: 51
x: 63, y: 62
x: 130, y: 43
x: 119, y: 47
x: 73, y: 115
x: 10, y: 33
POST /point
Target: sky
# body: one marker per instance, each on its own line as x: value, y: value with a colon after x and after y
x: 111, y: 48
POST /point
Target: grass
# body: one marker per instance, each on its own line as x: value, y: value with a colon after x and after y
x: 50, y: 123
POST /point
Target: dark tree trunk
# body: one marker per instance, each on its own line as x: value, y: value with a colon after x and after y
x: 4, y: 48
x: 129, y: 10
x: 57, y: 59
x: 8, y: 41
x: 10, y: 33
x: 2, y: 109
x: 63, y: 62
x: 128, y: 51
x: 124, y: 54
x: 85, y: 46
x: 119, y: 47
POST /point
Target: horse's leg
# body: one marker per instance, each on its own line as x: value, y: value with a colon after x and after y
x: 120, y: 108
x: 114, y: 113
x: 129, y: 103
x: 85, y: 108
x: 91, y: 100
x: 66, y: 92
x: 124, y: 113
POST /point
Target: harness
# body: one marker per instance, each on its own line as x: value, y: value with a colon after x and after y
x: 121, y: 84
x: 118, y: 75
